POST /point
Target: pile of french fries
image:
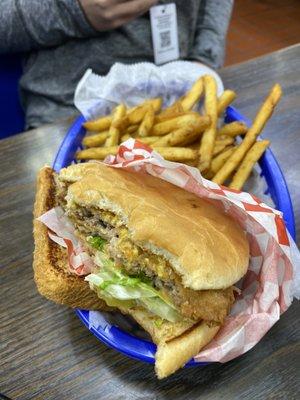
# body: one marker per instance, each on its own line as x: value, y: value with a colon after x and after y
x: 179, y: 133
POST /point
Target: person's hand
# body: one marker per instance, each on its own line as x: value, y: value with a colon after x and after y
x: 110, y: 14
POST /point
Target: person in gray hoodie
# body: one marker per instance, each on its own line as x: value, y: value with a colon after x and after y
x: 60, y: 39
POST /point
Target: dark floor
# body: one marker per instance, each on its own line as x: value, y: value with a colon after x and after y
x: 262, y: 26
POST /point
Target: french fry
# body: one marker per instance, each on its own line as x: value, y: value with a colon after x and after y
x: 136, y: 115
x: 225, y: 99
x: 180, y: 154
x: 147, y: 122
x: 192, y: 163
x: 209, y: 135
x: 233, y: 129
x: 247, y: 164
x: 191, y: 120
x: 98, y: 125
x: 193, y: 95
x: 218, y: 161
x: 181, y: 136
x: 125, y: 137
x: 170, y: 112
x: 122, y: 124
x: 194, y: 145
x: 95, y: 140
x: 227, y: 140
x: 96, y: 153
x: 146, y: 140
x: 156, y: 103
x: 114, y: 130
x: 219, y: 148
x: 113, y: 137
x: 131, y: 129
x: 262, y: 116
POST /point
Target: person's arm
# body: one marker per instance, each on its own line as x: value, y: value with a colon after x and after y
x: 212, y: 25
x: 29, y: 25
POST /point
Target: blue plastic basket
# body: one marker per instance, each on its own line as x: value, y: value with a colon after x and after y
x: 111, y: 334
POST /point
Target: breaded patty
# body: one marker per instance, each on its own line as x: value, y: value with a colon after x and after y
x: 209, y: 305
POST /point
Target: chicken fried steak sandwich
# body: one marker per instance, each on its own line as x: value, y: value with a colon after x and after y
x: 152, y: 250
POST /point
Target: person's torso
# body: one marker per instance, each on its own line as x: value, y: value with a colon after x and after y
x: 52, y: 74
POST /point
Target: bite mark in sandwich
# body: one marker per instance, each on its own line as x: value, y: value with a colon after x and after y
x: 155, y: 251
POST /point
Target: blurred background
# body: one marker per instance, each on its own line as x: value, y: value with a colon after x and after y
x: 258, y: 27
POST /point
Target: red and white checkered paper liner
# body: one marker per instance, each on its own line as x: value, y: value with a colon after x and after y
x: 267, y: 288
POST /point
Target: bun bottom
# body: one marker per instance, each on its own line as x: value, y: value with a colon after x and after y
x: 50, y: 262
x: 176, y: 343
x: 172, y: 355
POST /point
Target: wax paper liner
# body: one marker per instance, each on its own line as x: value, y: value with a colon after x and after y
x: 62, y: 232
x: 270, y: 284
x: 96, y: 95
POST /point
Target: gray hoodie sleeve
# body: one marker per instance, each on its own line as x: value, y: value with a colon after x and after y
x: 212, y: 25
x: 30, y: 25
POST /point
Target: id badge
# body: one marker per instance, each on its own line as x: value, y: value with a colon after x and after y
x: 164, y: 33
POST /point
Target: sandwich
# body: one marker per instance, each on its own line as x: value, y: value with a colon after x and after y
x: 143, y: 246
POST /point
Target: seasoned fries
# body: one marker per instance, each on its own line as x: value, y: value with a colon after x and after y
x: 180, y: 154
x: 180, y: 134
x: 149, y: 139
x: 225, y: 99
x: 260, y: 120
x: 192, y: 96
x: 114, y: 130
x: 209, y: 136
x: 233, y: 129
x: 170, y: 112
x: 219, y: 148
x: 156, y: 103
x: 147, y: 122
x: 136, y: 114
x: 132, y: 129
x: 98, y: 125
x: 146, y: 140
x: 125, y: 137
x: 227, y: 140
x: 221, y: 143
x: 219, y: 161
x: 95, y: 140
x: 247, y: 164
x: 192, y: 120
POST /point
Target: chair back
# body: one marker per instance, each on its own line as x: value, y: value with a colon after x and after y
x: 12, y: 119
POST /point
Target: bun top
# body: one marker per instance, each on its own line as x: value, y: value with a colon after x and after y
x: 203, y: 245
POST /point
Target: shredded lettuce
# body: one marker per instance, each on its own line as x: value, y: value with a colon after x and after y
x: 119, y: 289
x: 97, y: 242
x: 158, y: 322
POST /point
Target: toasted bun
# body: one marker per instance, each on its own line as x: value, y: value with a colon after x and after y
x: 203, y: 245
x: 174, y: 354
x: 176, y: 342
x: 50, y: 262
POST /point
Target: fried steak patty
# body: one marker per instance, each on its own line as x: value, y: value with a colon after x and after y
x: 209, y: 305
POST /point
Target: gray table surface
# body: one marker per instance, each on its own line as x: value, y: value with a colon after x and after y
x: 46, y: 353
